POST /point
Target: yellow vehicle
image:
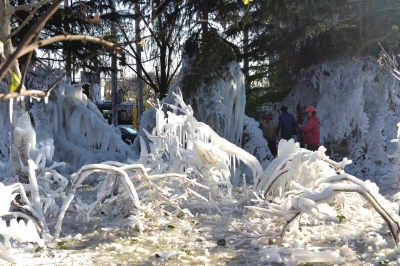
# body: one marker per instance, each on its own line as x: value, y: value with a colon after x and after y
x: 135, y: 122
x: 126, y: 112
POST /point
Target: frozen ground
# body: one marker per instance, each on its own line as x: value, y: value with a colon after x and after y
x: 216, y: 235
x: 209, y: 238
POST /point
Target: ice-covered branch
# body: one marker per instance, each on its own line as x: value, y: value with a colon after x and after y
x: 369, y: 193
x: 35, y: 192
x: 148, y: 188
x: 38, y: 94
x: 388, y: 62
x: 310, y: 180
x: 295, y: 167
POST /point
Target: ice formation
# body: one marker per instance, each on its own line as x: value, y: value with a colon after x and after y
x: 185, y: 157
x: 223, y: 110
x: 70, y: 121
x: 74, y: 122
x: 358, y: 103
x: 187, y: 166
x: 67, y: 121
x: 221, y: 107
x: 295, y: 185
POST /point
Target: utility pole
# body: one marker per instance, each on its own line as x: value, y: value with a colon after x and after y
x: 138, y: 63
x: 114, y: 93
x: 67, y: 53
x: 114, y: 89
x: 245, y: 51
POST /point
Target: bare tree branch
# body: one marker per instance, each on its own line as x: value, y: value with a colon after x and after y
x: 60, y: 38
x: 387, y: 62
x: 23, y: 23
x: 36, y: 5
x: 34, y: 31
x: 149, y: 81
x: 46, y: 93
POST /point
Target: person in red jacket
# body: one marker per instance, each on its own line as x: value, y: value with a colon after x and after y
x: 310, y: 130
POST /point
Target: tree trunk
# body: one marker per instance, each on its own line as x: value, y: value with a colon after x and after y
x: 245, y: 52
x: 66, y: 50
x: 17, y: 108
x: 163, y: 68
x: 204, y: 19
x: 362, y: 6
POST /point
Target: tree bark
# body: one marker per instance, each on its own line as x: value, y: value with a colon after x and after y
x: 17, y: 108
x: 362, y: 6
x: 204, y: 19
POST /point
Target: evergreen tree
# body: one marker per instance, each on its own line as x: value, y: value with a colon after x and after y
x: 93, y: 18
x: 285, y: 37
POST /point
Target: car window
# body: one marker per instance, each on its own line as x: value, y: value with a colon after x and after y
x: 130, y: 130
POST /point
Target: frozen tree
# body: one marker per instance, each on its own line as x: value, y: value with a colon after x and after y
x: 183, y: 153
x: 220, y: 105
x: 357, y: 102
x: 30, y: 150
x: 390, y: 64
x: 10, y: 68
x: 186, y: 166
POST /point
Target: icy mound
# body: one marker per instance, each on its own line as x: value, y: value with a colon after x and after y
x: 358, y: 103
x: 221, y: 107
x: 74, y: 123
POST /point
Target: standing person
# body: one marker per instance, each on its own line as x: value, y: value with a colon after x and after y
x: 311, y: 129
x: 268, y: 128
x: 86, y: 90
x: 285, y: 124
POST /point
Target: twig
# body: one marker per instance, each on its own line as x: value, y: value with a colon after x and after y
x: 34, y: 31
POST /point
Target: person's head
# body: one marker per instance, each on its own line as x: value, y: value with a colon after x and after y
x: 310, y: 111
x: 284, y: 108
x: 268, y: 116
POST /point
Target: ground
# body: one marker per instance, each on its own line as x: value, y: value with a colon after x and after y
x: 208, y: 238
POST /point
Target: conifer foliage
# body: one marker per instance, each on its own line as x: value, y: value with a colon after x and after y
x: 285, y: 37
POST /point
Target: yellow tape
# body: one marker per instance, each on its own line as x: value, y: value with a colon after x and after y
x: 14, y: 82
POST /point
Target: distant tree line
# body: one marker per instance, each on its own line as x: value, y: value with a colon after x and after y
x: 274, y: 40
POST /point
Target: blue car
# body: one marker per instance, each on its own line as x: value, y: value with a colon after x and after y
x: 128, y: 134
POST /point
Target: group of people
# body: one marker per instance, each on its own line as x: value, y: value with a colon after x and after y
x: 287, y: 128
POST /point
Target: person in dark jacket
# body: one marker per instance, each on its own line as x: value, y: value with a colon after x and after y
x: 285, y: 124
x: 268, y: 128
x: 311, y: 129
x: 86, y: 89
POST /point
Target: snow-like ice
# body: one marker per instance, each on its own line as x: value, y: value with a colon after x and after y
x: 300, y: 207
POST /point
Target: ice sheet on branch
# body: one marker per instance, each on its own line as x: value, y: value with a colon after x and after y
x: 222, y: 104
x: 254, y: 142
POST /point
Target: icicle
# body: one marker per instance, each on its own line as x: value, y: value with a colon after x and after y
x: 143, y: 150
x: 11, y: 126
x: 35, y: 192
x: 244, y: 186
